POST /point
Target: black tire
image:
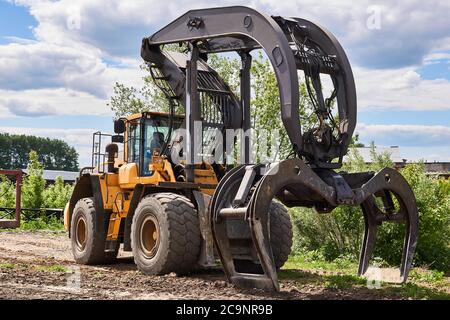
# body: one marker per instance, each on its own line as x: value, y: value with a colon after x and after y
x: 174, y: 245
x: 280, y: 233
x: 280, y: 239
x: 88, y: 235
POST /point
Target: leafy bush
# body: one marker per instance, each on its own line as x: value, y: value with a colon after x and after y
x: 58, y: 194
x: 36, y: 196
x: 42, y: 223
x: 7, y: 193
x: 433, y: 201
x: 33, y: 184
x: 340, y: 233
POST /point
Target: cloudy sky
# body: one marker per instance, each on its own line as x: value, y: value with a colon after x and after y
x: 59, y: 61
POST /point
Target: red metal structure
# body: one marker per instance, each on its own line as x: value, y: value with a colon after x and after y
x: 15, y: 223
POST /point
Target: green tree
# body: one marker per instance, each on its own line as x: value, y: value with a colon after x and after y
x: 228, y: 69
x: 7, y: 192
x: 54, y: 154
x: 33, y: 184
x: 433, y: 201
x: 379, y: 159
x: 128, y: 100
x: 57, y: 194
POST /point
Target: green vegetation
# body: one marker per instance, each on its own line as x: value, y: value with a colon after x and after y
x: 54, y: 154
x: 52, y: 269
x: 33, y: 184
x: 340, y: 274
x: 55, y: 268
x: 57, y: 194
x: 35, y: 195
x: 7, y: 266
x: 340, y: 233
x: 7, y: 193
x: 42, y: 223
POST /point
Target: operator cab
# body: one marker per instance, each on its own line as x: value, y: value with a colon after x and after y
x: 146, y: 135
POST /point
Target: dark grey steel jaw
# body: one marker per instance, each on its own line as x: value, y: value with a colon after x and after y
x: 295, y: 183
x: 384, y: 187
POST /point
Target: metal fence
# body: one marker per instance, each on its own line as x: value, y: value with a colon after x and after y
x: 28, y: 214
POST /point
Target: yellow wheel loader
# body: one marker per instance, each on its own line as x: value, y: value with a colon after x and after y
x: 137, y: 196
x: 172, y: 189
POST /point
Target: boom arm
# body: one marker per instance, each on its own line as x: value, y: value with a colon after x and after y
x: 290, y: 44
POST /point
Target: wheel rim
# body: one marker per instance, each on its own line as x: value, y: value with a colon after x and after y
x: 81, y: 233
x: 150, y: 236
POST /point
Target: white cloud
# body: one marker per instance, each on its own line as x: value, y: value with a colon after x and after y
x: 114, y: 28
x: 409, y: 29
x: 75, y: 37
x: 27, y: 108
x: 39, y: 79
x: 437, y: 57
x: 12, y: 39
x: 405, y: 135
x: 43, y: 102
x: 43, y: 65
x: 400, y: 89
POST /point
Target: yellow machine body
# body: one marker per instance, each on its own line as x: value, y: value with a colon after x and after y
x: 115, y: 191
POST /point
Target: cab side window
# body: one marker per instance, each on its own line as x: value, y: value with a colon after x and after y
x: 134, y: 142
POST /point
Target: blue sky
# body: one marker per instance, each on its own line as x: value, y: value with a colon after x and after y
x: 15, y: 21
x: 59, y: 61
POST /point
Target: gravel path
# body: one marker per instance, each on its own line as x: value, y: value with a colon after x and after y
x: 39, y: 265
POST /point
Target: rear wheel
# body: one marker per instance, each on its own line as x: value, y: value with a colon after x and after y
x: 280, y: 233
x: 88, y: 235
x: 280, y: 240
x: 165, y: 234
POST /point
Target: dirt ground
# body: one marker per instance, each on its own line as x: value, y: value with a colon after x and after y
x: 39, y: 265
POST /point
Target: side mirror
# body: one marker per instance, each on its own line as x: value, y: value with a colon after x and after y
x: 119, y: 126
x: 117, y: 139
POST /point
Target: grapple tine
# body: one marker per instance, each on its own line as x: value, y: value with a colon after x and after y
x: 409, y: 247
x: 370, y: 234
x: 261, y: 239
x: 259, y: 227
x: 218, y: 228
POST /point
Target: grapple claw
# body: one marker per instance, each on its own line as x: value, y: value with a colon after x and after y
x: 230, y: 211
x: 258, y: 188
x: 388, y: 183
x: 245, y: 194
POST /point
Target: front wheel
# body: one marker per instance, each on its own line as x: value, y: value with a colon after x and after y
x: 165, y: 234
x: 88, y: 235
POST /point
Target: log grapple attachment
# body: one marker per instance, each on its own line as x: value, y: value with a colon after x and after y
x: 247, y: 191
x: 309, y: 177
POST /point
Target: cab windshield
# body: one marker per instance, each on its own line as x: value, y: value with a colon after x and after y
x: 155, y: 135
x: 148, y: 137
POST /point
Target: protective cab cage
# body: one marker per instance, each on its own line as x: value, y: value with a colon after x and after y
x: 308, y: 179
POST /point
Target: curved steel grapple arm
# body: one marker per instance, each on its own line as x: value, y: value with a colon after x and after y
x: 241, y: 28
x: 291, y: 44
